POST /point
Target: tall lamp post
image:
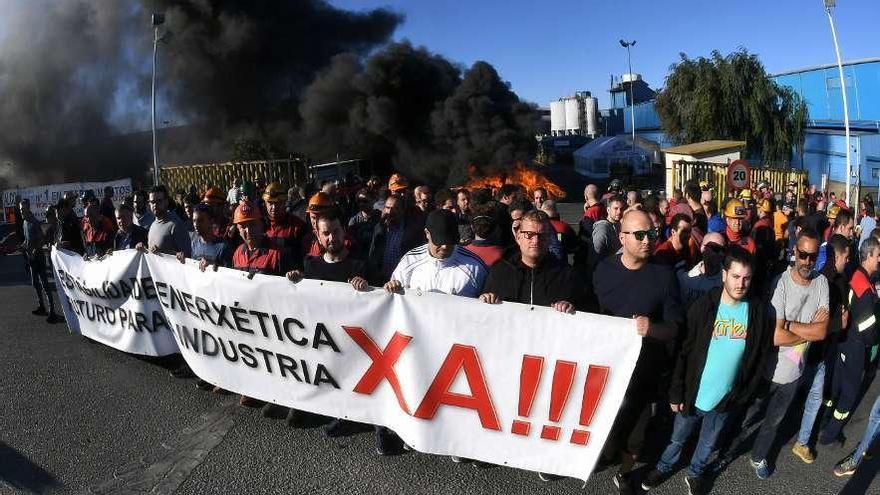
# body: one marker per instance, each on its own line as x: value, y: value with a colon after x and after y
x: 632, y: 99
x: 829, y: 5
x: 157, y: 20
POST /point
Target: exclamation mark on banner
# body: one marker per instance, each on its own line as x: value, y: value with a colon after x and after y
x: 563, y: 377
x: 530, y: 375
x: 597, y: 377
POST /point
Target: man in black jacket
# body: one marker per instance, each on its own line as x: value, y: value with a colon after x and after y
x: 393, y: 236
x: 529, y: 274
x: 718, y: 369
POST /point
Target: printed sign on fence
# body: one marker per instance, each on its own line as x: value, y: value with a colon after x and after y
x: 509, y: 384
x: 43, y: 196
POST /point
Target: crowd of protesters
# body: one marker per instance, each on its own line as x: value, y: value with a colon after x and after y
x: 742, y: 301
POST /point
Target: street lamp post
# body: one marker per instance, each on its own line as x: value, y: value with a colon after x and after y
x: 632, y: 99
x: 157, y: 20
x: 829, y: 5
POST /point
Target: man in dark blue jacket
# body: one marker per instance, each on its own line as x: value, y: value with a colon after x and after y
x: 718, y: 369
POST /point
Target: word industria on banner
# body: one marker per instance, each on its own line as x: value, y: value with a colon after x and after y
x: 510, y: 384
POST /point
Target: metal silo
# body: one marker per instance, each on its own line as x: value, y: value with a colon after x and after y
x: 572, y: 116
x: 557, y: 118
x: 591, y: 108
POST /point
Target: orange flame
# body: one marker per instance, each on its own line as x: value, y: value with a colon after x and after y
x: 521, y: 175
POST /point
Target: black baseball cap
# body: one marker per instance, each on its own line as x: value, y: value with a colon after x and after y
x: 443, y: 227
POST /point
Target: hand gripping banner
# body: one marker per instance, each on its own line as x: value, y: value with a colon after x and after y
x: 509, y: 384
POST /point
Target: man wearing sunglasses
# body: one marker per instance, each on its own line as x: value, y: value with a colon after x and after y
x: 629, y: 285
x: 800, y: 308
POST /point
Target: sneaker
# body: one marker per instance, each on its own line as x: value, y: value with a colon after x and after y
x: 293, y: 417
x: 846, y: 467
x: 654, y: 479
x: 41, y: 311
x: 803, y: 452
x: 458, y: 460
x: 696, y: 485
x: 485, y: 465
x: 220, y: 391
x: 762, y: 469
x: 623, y: 484
x: 337, y: 428
x: 53, y: 318
x: 548, y: 477
x: 387, y: 442
x: 271, y: 410
x: 203, y: 385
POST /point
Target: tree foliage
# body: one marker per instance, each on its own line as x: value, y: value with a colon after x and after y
x: 732, y: 97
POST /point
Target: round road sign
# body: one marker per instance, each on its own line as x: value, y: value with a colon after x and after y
x: 738, y: 174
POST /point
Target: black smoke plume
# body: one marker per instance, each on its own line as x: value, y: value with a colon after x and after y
x: 298, y: 76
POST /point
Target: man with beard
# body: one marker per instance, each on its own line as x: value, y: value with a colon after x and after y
x: 843, y: 224
x: 821, y: 355
x: 392, y: 238
x: 143, y: 217
x: 334, y: 265
x: 285, y: 231
x: 676, y: 250
x: 800, y: 308
x: 167, y: 233
x: 629, y: 285
x: 718, y: 369
x: 606, y: 233
x: 706, y: 274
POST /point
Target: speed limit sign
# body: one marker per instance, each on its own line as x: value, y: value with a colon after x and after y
x: 738, y: 174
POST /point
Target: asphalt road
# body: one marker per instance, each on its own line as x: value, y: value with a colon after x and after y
x: 79, y: 417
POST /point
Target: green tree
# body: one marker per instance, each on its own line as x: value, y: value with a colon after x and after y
x: 732, y: 98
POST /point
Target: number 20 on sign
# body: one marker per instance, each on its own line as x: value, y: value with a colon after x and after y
x: 738, y: 174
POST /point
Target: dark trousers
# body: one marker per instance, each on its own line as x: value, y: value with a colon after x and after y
x: 776, y: 402
x: 847, y: 383
x: 629, y: 429
x: 37, y: 267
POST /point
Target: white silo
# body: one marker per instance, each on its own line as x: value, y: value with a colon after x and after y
x: 572, y: 116
x: 591, y: 108
x: 557, y: 118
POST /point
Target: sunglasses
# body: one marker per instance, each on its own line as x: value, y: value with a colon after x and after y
x: 640, y: 235
x: 529, y: 235
x: 807, y: 256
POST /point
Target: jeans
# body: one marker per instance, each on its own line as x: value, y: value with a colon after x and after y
x: 813, y: 404
x: 778, y: 400
x: 871, y: 431
x: 712, y: 424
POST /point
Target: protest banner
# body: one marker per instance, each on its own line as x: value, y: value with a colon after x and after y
x: 520, y: 386
x: 43, y: 196
x: 113, y: 302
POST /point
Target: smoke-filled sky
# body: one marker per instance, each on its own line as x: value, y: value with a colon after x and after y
x: 297, y: 75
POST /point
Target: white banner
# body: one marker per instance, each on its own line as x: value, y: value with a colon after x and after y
x: 509, y: 384
x: 43, y: 196
x: 113, y: 302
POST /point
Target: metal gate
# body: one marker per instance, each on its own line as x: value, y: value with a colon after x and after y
x: 715, y: 174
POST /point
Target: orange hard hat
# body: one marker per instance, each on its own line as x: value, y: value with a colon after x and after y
x: 397, y: 182
x: 214, y: 196
x: 245, y: 212
x: 319, y: 201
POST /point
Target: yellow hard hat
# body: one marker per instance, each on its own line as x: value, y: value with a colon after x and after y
x: 833, y: 212
x: 735, y: 209
x: 275, y: 193
x: 746, y: 194
x: 765, y: 205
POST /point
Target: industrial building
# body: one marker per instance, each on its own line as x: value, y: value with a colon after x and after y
x: 576, y: 115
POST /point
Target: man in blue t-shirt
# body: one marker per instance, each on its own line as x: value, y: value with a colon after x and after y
x: 718, y: 369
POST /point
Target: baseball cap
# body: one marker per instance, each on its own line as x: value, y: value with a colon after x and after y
x: 443, y: 227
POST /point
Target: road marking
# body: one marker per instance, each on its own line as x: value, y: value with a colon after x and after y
x: 164, y: 471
